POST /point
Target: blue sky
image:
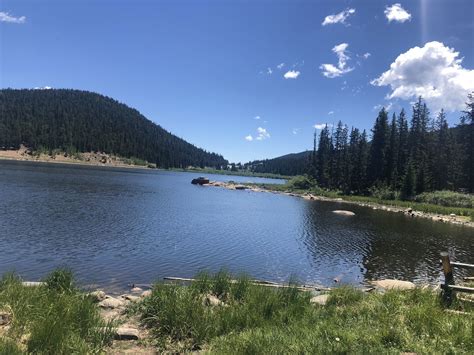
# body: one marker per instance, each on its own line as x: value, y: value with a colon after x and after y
x: 208, y: 71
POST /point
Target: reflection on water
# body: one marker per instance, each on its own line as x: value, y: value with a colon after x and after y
x: 116, y: 226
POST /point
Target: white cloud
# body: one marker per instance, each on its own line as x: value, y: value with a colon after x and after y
x: 322, y: 125
x: 6, y: 17
x: 434, y: 72
x: 262, y: 134
x: 249, y: 138
x: 269, y: 71
x: 295, y: 130
x: 43, y: 88
x: 331, y: 113
x: 256, y: 117
x: 291, y: 74
x: 332, y: 71
x: 366, y: 55
x: 397, y: 13
x: 280, y: 66
x: 338, y: 18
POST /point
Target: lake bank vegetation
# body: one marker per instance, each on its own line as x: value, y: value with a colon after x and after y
x: 221, y: 313
x: 404, y: 157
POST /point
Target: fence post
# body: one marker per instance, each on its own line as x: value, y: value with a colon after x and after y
x: 448, y: 278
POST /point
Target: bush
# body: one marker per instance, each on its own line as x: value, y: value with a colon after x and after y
x: 303, y: 182
x: 384, y: 193
x: 61, y: 280
x: 447, y: 198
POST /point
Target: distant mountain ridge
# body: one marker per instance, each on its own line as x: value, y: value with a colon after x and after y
x: 289, y: 164
x: 82, y: 121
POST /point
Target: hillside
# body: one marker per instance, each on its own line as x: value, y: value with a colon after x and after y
x: 289, y: 164
x: 80, y: 121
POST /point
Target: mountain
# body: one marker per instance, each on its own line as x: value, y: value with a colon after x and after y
x: 290, y: 164
x: 74, y: 120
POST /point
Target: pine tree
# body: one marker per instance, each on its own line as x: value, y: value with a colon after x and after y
x: 324, y: 158
x: 378, y: 150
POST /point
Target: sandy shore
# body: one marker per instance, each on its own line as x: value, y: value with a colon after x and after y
x: 88, y: 159
x: 452, y: 219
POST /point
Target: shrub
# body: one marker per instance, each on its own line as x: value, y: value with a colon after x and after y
x: 447, y: 198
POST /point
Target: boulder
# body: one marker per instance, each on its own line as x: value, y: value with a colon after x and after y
x: 320, y: 299
x: 97, y: 296
x: 5, y: 318
x: 32, y: 283
x: 146, y: 293
x: 389, y: 284
x: 131, y: 298
x: 136, y: 289
x: 123, y: 333
x: 200, y: 181
x: 111, y: 302
x: 240, y: 187
x: 213, y: 301
x: 344, y: 212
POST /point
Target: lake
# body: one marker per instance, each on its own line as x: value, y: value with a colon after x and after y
x: 117, y: 226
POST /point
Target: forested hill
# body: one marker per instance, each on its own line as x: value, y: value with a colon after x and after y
x: 289, y: 164
x: 74, y: 120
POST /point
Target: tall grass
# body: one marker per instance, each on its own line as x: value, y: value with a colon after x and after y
x: 260, y: 320
x: 51, y: 319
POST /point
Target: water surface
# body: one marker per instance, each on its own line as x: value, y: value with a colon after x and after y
x: 119, y: 226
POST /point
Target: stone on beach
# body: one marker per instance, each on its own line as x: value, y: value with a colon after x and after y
x: 111, y: 302
x: 390, y: 284
x: 344, y: 212
x: 146, y: 293
x: 97, y: 296
x: 124, y: 333
x: 320, y: 299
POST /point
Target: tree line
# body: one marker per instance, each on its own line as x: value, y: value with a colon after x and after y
x: 409, y: 155
x: 81, y: 121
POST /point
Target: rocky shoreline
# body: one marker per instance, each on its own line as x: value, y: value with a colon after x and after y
x: 452, y: 219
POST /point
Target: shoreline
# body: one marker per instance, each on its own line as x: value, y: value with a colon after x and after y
x: 412, y: 212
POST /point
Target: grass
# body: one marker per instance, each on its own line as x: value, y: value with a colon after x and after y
x: 52, y: 319
x: 438, y: 202
x: 260, y: 320
x: 234, y: 173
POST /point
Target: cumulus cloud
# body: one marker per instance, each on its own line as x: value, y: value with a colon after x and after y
x: 338, y: 18
x: 434, y: 72
x: 366, y: 55
x: 332, y: 71
x: 256, y: 117
x: 291, y: 74
x: 262, y: 134
x: 331, y: 113
x: 397, y: 13
x: 43, y: 88
x: 280, y: 66
x: 6, y: 17
x: 322, y: 125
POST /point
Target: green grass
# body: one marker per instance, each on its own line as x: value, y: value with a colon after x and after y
x: 53, y: 319
x: 260, y: 320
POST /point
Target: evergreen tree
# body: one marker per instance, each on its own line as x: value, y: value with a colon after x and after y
x: 378, y: 150
x: 324, y: 158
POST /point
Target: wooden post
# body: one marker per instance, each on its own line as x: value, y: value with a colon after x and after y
x: 448, y: 278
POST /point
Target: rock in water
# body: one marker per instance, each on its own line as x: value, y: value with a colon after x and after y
x: 240, y: 187
x: 389, y: 284
x: 344, y: 212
